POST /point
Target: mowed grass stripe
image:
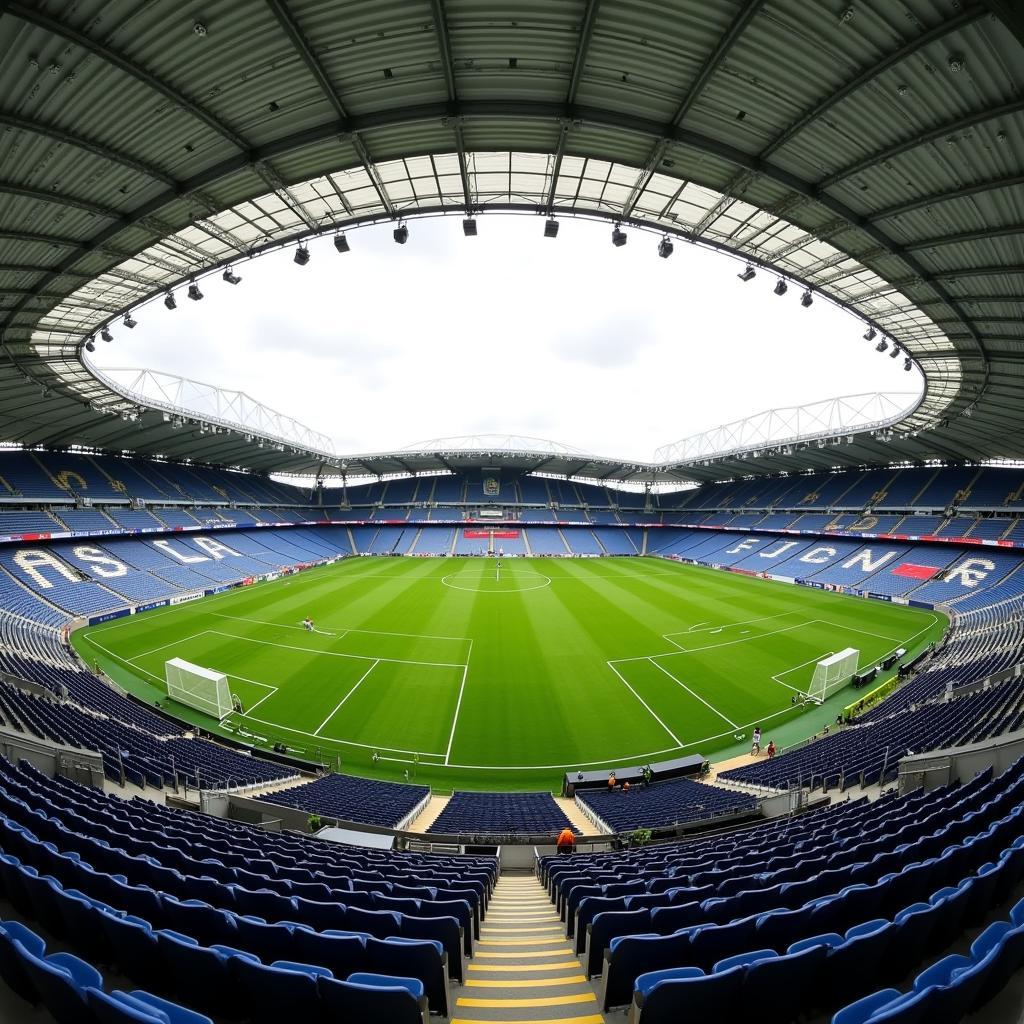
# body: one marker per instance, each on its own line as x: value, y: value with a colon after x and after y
x: 538, y: 688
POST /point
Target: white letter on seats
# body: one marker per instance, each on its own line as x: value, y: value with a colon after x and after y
x: 107, y: 567
x: 863, y: 559
x: 825, y: 553
x: 972, y: 572
x: 214, y: 547
x: 744, y: 545
x: 32, y: 561
x: 165, y: 546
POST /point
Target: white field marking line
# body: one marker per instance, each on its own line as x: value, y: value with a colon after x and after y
x: 628, y: 759
x: 359, y: 682
x: 645, y: 704
x: 163, y: 647
x: 458, y: 704
x: 723, y: 625
x: 348, y: 629
x: 708, y: 647
x: 692, y: 694
x: 338, y: 654
x: 347, y: 743
x: 866, y: 632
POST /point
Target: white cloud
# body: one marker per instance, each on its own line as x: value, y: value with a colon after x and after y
x: 614, y: 351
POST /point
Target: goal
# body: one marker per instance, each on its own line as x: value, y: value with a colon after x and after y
x: 198, y: 687
x: 832, y: 673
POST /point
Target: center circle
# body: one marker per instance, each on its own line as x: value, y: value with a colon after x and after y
x: 497, y: 581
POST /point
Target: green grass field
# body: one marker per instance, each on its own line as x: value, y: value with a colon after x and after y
x: 468, y: 675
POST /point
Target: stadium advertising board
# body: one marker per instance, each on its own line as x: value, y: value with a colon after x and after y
x: 183, y: 598
x: 95, y: 620
x: 150, y: 605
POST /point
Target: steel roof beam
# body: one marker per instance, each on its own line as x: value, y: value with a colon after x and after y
x: 59, y: 199
x: 444, y: 47
x: 100, y: 149
x: 122, y: 63
x: 287, y: 21
x: 582, y: 47
x: 869, y: 74
x: 882, y: 156
x: 979, y: 187
x: 966, y: 236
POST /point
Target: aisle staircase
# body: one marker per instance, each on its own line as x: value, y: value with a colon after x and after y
x: 524, y: 969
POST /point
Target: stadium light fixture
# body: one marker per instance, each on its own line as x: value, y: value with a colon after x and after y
x: 90, y: 345
x: 469, y: 227
x: 749, y: 273
x: 618, y: 237
x: 870, y: 334
x: 882, y: 346
x: 194, y: 293
x: 106, y: 335
x: 169, y: 301
x: 401, y: 234
x: 908, y: 364
x: 665, y: 248
x: 231, y: 277
x: 341, y: 243
x: 551, y: 228
x: 302, y: 255
x: 806, y: 299
x: 129, y: 322
x: 895, y: 353
x: 780, y: 287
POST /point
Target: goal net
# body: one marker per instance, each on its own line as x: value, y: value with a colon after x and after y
x: 832, y: 673
x: 198, y: 687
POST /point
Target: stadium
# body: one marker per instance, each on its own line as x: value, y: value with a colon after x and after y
x: 491, y: 728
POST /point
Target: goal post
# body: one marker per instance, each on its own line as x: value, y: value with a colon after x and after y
x: 198, y: 687
x: 832, y: 673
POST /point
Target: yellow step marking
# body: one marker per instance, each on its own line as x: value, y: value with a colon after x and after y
x: 504, y: 929
x: 572, y: 979
x: 520, y: 942
x: 563, y: 952
x: 593, y: 1018
x: 568, y: 965
x: 582, y: 997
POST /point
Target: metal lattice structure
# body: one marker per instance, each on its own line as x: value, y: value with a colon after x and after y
x: 873, y: 153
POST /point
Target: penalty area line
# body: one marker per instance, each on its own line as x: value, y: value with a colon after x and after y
x: 458, y: 704
x: 650, y: 710
x: 679, y: 682
x: 359, y: 683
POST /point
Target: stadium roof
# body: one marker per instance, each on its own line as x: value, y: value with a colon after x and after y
x: 872, y: 150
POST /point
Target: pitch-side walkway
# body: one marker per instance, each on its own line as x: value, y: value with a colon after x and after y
x: 523, y: 968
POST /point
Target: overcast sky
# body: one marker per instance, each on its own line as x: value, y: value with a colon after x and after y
x: 610, y: 350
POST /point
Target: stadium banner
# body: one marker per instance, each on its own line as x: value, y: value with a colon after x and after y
x: 921, y: 604
x: 150, y: 605
x: 95, y: 620
x: 183, y: 598
x: 877, y: 597
x: 496, y: 534
x: 218, y: 590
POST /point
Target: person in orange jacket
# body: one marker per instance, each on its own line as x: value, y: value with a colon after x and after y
x: 566, y: 841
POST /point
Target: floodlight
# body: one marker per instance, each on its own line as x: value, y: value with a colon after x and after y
x: 230, y: 276
x: 90, y: 346
x: 894, y: 354
x: 341, y: 243
x: 781, y: 287
x: 665, y: 248
x: 806, y: 299
x: 618, y: 237
x: 401, y: 234
x: 106, y: 335
x: 882, y: 346
x: 469, y: 227
x: 870, y: 334
x: 129, y: 322
x: 749, y: 273
x: 551, y: 228
x: 169, y: 301
x: 908, y: 364
x: 302, y: 255
x: 194, y: 293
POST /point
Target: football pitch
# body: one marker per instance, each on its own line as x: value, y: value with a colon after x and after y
x: 503, y: 673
